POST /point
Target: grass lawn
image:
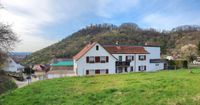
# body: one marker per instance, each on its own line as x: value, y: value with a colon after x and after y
x: 154, y: 88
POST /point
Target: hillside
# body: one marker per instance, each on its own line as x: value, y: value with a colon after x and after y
x: 126, y: 33
x: 156, y: 88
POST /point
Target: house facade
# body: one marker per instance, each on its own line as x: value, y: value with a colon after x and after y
x: 110, y: 59
x: 12, y: 66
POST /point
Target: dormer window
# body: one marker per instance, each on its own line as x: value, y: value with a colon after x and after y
x: 97, y: 47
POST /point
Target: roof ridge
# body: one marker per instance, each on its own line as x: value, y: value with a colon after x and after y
x: 134, y: 45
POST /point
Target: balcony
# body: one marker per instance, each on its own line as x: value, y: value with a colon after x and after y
x: 122, y: 63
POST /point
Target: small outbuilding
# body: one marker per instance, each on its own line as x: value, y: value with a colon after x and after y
x: 62, y: 65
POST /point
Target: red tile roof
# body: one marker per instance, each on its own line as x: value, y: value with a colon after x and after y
x: 114, y: 49
x: 84, y: 51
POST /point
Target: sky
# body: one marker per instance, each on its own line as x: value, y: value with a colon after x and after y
x: 40, y: 23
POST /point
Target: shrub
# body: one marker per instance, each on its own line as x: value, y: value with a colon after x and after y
x: 178, y: 64
x: 6, y: 83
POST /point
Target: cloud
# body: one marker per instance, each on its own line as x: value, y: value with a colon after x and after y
x: 30, y: 17
x: 27, y: 17
x: 40, y: 23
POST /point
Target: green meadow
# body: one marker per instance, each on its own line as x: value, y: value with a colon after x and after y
x: 173, y: 87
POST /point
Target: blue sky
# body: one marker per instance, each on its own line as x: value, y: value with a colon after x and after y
x: 40, y: 23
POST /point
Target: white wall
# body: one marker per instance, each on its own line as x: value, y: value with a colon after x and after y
x: 153, y: 67
x: 12, y: 66
x: 154, y: 54
x: 136, y: 62
x: 82, y: 66
x: 142, y: 63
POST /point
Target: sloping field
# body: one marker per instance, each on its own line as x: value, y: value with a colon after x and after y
x: 155, y: 88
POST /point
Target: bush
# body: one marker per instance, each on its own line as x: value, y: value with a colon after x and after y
x: 6, y: 83
x: 177, y: 64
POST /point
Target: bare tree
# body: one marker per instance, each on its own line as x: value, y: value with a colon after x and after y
x: 7, y: 41
x: 7, y: 37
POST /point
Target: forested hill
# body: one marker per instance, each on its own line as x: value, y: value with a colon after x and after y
x: 126, y: 33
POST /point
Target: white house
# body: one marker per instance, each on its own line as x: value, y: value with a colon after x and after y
x: 110, y: 59
x: 12, y: 66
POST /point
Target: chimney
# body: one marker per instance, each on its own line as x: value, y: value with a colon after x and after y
x: 151, y: 44
x: 117, y: 42
x: 146, y: 43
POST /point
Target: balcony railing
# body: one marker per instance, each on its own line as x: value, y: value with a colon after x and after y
x: 122, y: 63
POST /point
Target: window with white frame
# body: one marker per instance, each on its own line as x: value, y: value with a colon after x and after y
x: 142, y: 68
x: 102, y: 59
x: 91, y: 59
x: 120, y: 58
x: 142, y: 57
x: 157, y: 64
x: 129, y: 58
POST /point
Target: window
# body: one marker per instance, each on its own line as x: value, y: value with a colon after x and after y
x: 157, y: 64
x: 97, y: 48
x: 142, y: 57
x: 91, y: 59
x: 142, y: 68
x: 119, y: 70
x: 97, y: 71
x: 131, y: 68
x: 125, y: 69
x: 120, y: 58
x: 107, y: 71
x: 129, y: 58
x: 103, y: 59
x: 87, y: 72
x: 97, y: 59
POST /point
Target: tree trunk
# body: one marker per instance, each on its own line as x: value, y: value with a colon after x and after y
x: 190, y: 70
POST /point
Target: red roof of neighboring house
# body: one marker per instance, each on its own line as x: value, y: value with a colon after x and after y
x: 114, y: 49
x: 84, y: 51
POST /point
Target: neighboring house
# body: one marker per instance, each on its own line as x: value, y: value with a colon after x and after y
x: 110, y: 59
x: 37, y: 68
x: 41, y: 67
x: 62, y: 65
x: 197, y: 61
x: 12, y: 66
x: 170, y: 58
